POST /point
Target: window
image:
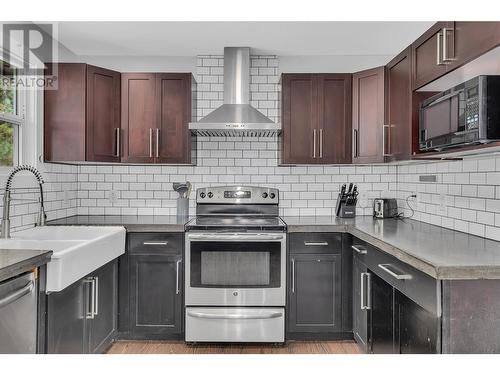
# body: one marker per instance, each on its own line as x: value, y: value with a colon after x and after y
x: 11, y: 116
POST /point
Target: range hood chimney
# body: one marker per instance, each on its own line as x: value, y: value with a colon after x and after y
x: 236, y: 117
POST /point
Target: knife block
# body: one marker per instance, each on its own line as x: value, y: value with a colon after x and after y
x: 345, y: 210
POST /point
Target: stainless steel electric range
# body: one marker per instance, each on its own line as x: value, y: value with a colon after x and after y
x: 235, y: 266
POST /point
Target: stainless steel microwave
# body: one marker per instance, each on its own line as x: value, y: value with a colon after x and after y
x: 465, y: 114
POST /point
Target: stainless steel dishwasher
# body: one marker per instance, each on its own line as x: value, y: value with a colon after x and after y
x: 18, y: 312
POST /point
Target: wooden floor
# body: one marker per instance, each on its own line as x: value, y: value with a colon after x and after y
x: 176, y: 347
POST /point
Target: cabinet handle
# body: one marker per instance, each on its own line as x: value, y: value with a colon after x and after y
x: 445, y: 45
x: 155, y: 243
x: 117, y: 140
x: 359, y: 249
x: 310, y: 243
x: 150, y: 142
x: 321, y: 143
x: 90, y: 314
x: 439, y: 61
x: 314, y: 143
x: 362, y: 305
x: 177, y: 273
x: 388, y: 138
x: 399, y: 276
x: 96, y: 295
x: 355, y: 139
x: 365, y: 294
x: 368, y: 305
x: 293, y: 275
x: 157, y: 142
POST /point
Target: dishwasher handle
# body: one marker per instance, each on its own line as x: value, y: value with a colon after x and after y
x: 14, y: 296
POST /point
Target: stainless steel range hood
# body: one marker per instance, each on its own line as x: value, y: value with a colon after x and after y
x: 236, y: 117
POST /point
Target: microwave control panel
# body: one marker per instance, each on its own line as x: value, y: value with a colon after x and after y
x: 472, y: 108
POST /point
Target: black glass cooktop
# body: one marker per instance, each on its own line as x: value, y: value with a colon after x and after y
x: 236, y: 222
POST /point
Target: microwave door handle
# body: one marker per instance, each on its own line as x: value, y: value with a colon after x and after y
x: 444, y: 97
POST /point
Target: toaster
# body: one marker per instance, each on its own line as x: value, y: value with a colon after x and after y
x: 385, y: 207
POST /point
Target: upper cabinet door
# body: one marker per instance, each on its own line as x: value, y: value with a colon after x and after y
x: 299, y: 119
x: 368, y: 116
x: 172, y: 135
x: 397, y: 132
x: 334, y: 111
x: 103, y: 115
x: 64, y: 115
x: 428, y: 57
x: 138, y: 118
x: 471, y: 39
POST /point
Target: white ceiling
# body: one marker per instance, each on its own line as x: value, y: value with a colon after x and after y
x: 279, y: 38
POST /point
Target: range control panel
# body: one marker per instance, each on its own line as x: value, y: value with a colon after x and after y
x: 237, y: 195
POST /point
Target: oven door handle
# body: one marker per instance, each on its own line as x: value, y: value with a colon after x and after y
x: 235, y: 236
x: 202, y: 315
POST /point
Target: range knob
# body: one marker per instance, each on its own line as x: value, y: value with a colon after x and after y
x: 202, y: 195
x: 272, y: 195
x: 210, y: 194
x: 264, y: 195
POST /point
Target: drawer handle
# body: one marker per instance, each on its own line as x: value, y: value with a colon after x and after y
x: 399, y: 276
x: 155, y: 243
x: 322, y: 243
x: 17, y: 294
x: 359, y: 249
x: 234, y: 316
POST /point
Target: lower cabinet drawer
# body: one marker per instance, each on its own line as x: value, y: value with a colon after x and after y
x: 235, y: 324
x: 327, y: 243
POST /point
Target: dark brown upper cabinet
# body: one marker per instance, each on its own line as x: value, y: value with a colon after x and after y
x: 368, y: 116
x: 173, y: 138
x: 82, y: 117
x: 138, y: 117
x: 334, y: 128
x: 397, y: 131
x: 471, y: 39
x: 431, y: 53
x: 316, y: 118
x: 449, y: 45
x: 156, y: 110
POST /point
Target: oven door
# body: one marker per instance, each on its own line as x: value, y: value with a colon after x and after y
x: 235, y: 269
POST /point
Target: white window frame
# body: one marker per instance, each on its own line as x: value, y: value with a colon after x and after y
x: 28, y: 103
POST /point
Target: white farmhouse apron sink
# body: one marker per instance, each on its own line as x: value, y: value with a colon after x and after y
x: 77, y: 250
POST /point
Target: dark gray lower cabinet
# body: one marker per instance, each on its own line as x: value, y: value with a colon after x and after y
x: 82, y: 317
x: 398, y: 324
x: 315, y: 297
x: 416, y: 327
x: 155, y: 296
x: 103, y: 326
x: 383, y: 335
x: 66, y: 319
x: 360, y: 303
x: 151, y: 287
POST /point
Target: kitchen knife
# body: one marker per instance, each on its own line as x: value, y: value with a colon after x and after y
x: 350, y: 189
x: 342, y: 191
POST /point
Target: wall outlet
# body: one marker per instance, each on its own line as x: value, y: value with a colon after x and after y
x: 113, y: 196
x: 66, y: 198
x: 441, y: 208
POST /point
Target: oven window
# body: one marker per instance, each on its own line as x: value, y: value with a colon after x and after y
x: 235, y: 264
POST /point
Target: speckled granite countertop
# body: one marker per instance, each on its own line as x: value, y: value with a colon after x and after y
x: 15, y: 262
x: 439, y: 252
x: 141, y: 223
